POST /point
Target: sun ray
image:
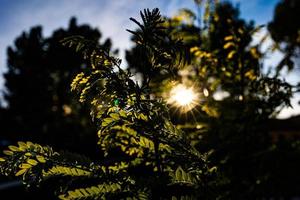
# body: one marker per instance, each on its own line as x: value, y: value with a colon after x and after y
x: 183, y: 97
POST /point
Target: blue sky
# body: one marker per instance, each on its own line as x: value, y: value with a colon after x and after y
x: 110, y: 16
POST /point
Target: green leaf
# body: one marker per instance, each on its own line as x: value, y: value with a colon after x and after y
x: 228, y: 45
x: 178, y: 173
x: 7, y: 152
x: 122, y: 113
x: 32, y: 162
x: 41, y: 159
x: 228, y: 38
x: 25, y: 166
x: 116, y: 102
x: 107, y: 121
x: 13, y: 148
x: 231, y: 54
x: 115, y: 116
x: 22, y: 171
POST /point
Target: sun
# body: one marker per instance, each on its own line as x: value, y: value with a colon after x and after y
x: 183, y: 97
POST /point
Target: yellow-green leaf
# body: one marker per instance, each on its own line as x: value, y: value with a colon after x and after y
x: 13, y: 148
x: 7, y: 152
x: 25, y: 166
x: 231, y: 54
x: 41, y: 159
x: 22, y: 144
x: 62, y: 196
x: 90, y: 191
x: 2, y: 159
x: 178, y: 173
x: 122, y: 113
x: 193, y: 49
x: 29, y: 144
x: 73, y: 194
x: 213, y: 169
x: 115, y: 116
x: 32, y: 162
x: 228, y: 44
x: 22, y: 171
x: 95, y: 189
x: 28, y: 154
x: 84, y: 192
x: 107, y: 63
x: 78, y: 193
x: 143, y: 117
x: 227, y: 38
x: 107, y: 121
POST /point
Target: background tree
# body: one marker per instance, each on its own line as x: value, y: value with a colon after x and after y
x: 233, y: 128
x: 40, y: 106
x: 285, y: 30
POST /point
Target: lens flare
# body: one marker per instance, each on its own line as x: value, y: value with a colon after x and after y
x: 183, y: 97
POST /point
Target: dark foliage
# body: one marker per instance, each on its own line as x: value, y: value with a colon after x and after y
x: 40, y: 106
x: 234, y: 129
x: 285, y: 29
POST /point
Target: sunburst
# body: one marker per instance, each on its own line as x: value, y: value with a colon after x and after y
x: 183, y: 97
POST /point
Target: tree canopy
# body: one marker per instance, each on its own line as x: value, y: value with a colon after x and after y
x: 40, y: 104
x: 285, y: 30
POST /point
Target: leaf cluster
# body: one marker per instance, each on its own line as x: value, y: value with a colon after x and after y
x: 146, y: 156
